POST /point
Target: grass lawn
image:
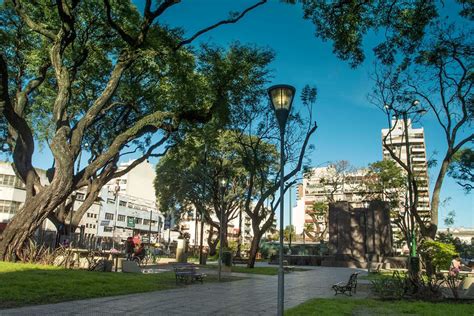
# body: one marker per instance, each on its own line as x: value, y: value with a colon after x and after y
x: 378, y: 275
x: 29, y: 284
x: 346, y: 306
x: 254, y: 270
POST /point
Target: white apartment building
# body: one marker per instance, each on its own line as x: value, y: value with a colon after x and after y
x: 323, y: 185
x: 417, y: 152
x: 136, y: 208
x: 134, y: 212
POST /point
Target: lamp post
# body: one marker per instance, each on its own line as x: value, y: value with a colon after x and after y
x: 116, y: 191
x: 86, y: 145
x: 201, y: 239
x: 222, y: 187
x: 412, y: 109
x: 281, y: 98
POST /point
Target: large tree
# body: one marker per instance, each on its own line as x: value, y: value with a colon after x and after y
x: 438, y: 74
x: 95, y: 72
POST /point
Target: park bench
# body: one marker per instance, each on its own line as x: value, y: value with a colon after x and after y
x: 350, y: 286
x: 185, y: 272
x: 239, y: 260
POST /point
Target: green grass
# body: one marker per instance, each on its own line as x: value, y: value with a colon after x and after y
x: 29, y: 284
x: 254, y: 270
x: 377, y: 275
x: 346, y: 306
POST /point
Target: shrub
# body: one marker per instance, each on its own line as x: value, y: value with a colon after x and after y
x: 440, y: 254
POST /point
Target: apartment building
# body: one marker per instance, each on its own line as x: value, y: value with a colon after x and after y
x: 397, y: 140
x: 129, y: 205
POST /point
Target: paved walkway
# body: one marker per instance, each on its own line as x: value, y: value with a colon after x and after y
x: 253, y: 296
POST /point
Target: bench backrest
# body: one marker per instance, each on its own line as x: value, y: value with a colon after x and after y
x: 184, y: 267
x: 352, y: 280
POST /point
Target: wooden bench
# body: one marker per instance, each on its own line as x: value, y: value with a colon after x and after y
x: 240, y: 260
x: 350, y: 286
x: 185, y: 272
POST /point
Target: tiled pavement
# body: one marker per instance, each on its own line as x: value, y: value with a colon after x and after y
x: 253, y: 296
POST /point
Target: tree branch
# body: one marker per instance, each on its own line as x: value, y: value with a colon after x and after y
x: 216, y: 25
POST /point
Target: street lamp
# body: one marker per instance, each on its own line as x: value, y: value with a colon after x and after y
x: 116, y: 192
x: 281, y: 97
x: 414, y: 108
x: 222, y: 187
x: 86, y: 145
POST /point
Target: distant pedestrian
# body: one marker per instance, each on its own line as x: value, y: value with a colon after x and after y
x: 455, y: 266
x: 129, y: 248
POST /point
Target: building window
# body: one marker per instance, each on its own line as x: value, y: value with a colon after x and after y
x: 121, y: 218
x: 7, y: 180
x: 107, y: 229
x: 9, y: 207
x: 123, y: 203
x: 111, y: 201
x: 80, y: 196
x: 109, y: 216
x: 146, y: 222
x: 138, y: 220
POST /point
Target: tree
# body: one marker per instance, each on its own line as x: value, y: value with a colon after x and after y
x: 444, y: 56
x: 70, y: 71
x: 385, y: 181
x: 462, y: 168
x: 317, y: 230
x: 289, y: 229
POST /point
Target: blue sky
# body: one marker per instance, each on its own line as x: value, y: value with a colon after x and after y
x: 349, y: 126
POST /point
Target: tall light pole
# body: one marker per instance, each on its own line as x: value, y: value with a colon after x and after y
x: 281, y: 97
x: 201, y: 239
x: 222, y: 187
x: 412, y: 109
x: 291, y: 224
x: 116, y: 191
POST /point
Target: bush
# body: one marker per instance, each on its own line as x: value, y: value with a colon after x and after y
x: 389, y: 287
x: 440, y: 254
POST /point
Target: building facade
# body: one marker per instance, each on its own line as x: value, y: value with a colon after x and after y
x: 396, y: 140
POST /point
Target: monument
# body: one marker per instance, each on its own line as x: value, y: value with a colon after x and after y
x: 359, y: 237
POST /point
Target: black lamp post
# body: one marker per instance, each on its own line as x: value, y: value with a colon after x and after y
x: 412, y: 109
x: 222, y: 187
x: 281, y: 97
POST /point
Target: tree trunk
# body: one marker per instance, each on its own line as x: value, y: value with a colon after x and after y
x: 435, y: 198
x: 254, y: 247
x: 212, y: 243
x: 29, y: 219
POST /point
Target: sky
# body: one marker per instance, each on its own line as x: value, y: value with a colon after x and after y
x: 349, y: 126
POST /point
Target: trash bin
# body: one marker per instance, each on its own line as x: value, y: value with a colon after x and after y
x: 227, y: 258
x: 203, y: 260
x: 414, y: 265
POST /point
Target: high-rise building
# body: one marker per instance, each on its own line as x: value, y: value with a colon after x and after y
x: 397, y: 140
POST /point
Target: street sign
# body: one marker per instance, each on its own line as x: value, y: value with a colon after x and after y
x: 130, y: 222
x: 104, y: 223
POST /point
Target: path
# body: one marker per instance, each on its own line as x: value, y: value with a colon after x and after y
x: 253, y: 296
